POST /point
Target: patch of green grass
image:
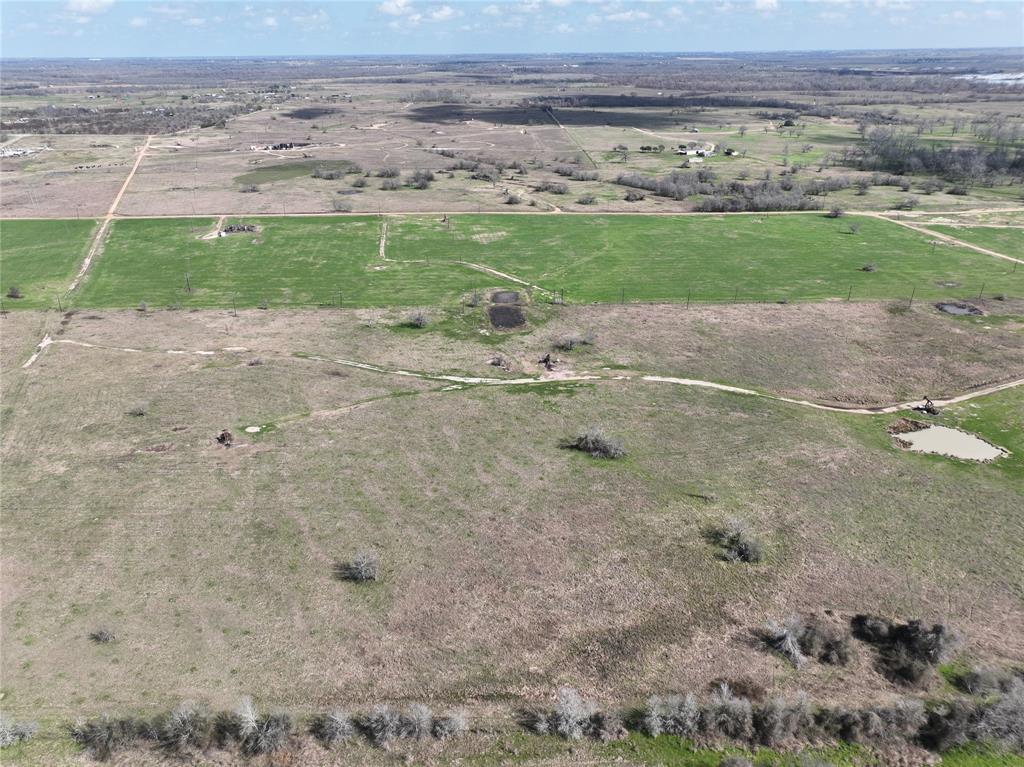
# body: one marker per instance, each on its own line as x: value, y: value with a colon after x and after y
x: 285, y: 171
x: 709, y: 258
x: 1009, y: 242
x: 41, y: 259
x: 288, y: 262
x: 979, y: 756
x: 671, y: 751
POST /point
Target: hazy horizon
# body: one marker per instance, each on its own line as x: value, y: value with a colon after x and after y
x: 199, y: 29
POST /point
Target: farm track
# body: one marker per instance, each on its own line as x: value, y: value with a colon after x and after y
x: 101, y: 233
x: 382, y: 252
x: 922, y: 229
x: 454, y: 382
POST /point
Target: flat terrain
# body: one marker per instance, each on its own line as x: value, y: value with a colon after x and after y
x: 257, y: 271
x: 482, y: 520
x: 40, y: 258
x: 1008, y: 241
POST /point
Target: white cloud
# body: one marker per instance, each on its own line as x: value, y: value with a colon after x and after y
x: 628, y: 16
x: 316, y: 20
x: 444, y: 13
x: 89, y: 6
x: 491, y: 10
x: 564, y: 29
x: 138, y: 22
x: 395, y: 7
x: 270, y: 22
x: 561, y: 3
x: 170, y: 11
x: 194, y: 21
x: 766, y: 5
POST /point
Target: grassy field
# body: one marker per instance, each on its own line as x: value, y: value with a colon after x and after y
x: 284, y: 171
x: 1009, y: 242
x: 796, y: 257
x: 307, y: 261
x: 289, y: 262
x: 40, y: 258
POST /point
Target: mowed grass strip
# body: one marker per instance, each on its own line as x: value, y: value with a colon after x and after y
x: 40, y: 259
x: 709, y: 258
x: 1005, y: 240
x: 302, y: 261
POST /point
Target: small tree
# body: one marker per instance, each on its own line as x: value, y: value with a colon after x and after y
x: 14, y: 292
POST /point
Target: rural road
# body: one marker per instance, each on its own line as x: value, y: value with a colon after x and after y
x: 101, y: 232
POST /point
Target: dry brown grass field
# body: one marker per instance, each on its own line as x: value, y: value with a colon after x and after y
x: 510, y: 565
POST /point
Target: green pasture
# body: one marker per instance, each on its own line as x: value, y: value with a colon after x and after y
x: 1009, y: 242
x: 285, y: 171
x: 710, y: 258
x: 289, y: 262
x: 40, y: 259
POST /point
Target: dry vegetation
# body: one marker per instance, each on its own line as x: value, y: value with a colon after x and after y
x: 365, y: 518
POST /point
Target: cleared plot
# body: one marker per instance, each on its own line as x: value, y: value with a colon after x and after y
x: 710, y: 258
x: 1009, y: 242
x: 286, y: 262
x: 206, y: 562
x: 40, y: 259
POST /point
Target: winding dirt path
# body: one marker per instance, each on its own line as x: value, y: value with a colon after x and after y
x: 454, y: 382
x: 382, y: 252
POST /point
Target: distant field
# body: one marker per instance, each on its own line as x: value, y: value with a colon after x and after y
x: 40, y: 259
x: 306, y: 261
x: 1009, y: 242
x: 798, y: 257
x: 289, y: 169
x: 289, y: 262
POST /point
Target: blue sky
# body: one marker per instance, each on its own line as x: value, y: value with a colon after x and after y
x: 111, y: 28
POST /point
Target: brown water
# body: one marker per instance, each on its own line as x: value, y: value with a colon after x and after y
x: 941, y: 440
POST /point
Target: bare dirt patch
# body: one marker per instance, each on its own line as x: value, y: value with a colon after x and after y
x: 506, y: 317
x: 505, y: 297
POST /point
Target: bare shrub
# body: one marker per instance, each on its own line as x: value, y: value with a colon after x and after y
x: 341, y: 206
x: 674, y: 715
x: 336, y: 726
x: 421, y: 179
x: 586, y: 199
x: 254, y: 732
x: 1003, y: 721
x: 986, y: 680
x: 186, y: 726
x: 784, y: 638
x: 452, y: 724
x: 826, y: 642
x: 142, y: 307
x: 585, y: 175
x: 727, y: 716
x: 12, y: 732
x: 634, y: 196
x: 513, y: 199
x: 571, y: 341
x: 571, y: 717
x: 255, y: 362
x: 136, y: 412
x: 417, y: 318
x: 383, y: 725
x: 390, y: 184
x: 417, y: 722
x: 101, y: 636
x: 249, y: 189
x: 779, y: 721
x: 359, y: 182
x: 362, y: 568
x: 735, y: 761
x: 835, y: 212
x: 554, y: 187
x: 14, y: 292
x: 594, y: 441
x: 101, y: 738
x: 908, y: 652
x: 737, y: 541
x: 388, y: 172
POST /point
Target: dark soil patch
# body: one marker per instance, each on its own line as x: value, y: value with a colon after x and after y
x: 505, y: 297
x: 311, y: 113
x: 505, y: 316
x: 957, y: 308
